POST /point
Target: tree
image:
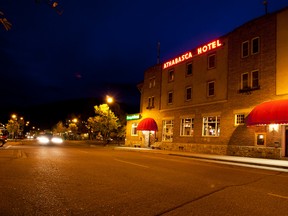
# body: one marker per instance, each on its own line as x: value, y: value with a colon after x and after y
x: 73, y: 130
x: 59, y: 128
x: 13, y: 127
x: 104, y: 122
x: 7, y: 25
x: 53, y: 4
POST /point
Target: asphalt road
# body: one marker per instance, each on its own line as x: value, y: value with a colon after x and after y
x: 77, y: 179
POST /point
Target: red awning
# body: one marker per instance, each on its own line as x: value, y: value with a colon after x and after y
x: 271, y: 112
x: 148, y: 124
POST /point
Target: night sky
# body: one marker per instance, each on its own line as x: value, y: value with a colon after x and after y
x: 96, y: 47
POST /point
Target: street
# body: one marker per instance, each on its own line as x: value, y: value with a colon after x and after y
x: 79, y: 179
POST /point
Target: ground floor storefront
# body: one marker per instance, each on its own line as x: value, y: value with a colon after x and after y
x: 235, y: 132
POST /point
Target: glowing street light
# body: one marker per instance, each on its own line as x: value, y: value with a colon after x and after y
x: 109, y: 100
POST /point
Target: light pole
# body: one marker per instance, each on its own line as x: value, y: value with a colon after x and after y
x: 109, y: 100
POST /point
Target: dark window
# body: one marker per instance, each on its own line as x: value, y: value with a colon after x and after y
x: 170, y: 97
x: 211, y: 88
x: 170, y: 75
x: 211, y: 61
x: 188, y: 93
x: 244, y: 81
x: 255, y: 45
x: 189, y: 69
x: 152, y: 101
x: 255, y: 79
x: 245, y: 49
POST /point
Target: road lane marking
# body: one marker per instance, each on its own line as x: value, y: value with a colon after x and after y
x: 131, y: 163
x: 276, y: 195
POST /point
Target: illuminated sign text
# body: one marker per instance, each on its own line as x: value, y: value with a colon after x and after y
x: 188, y: 55
x: 133, y: 117
x: 177, y: 60
x: 208, y: 47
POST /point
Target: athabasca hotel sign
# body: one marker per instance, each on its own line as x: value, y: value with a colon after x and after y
x: 188, y: 55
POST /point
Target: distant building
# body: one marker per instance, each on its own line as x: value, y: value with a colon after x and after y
x: 228, y: 96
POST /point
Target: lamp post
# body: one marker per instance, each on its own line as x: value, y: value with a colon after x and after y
x: 109, y: 100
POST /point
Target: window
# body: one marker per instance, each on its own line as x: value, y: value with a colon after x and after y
x: 188, y: 93
x: 260, y: 139
x: 255, y: 79
x: 239, y: 119
x: 167, y: 134
x: 255, y: 45
x: 189, y: 69
x: 134, y: 129
x: 250, y: 81
x: 187, y: 127
x: 170, y: 75
x: 211, y: 126
x: 170, y: 97
x: 244, y: 81
x: 211, y: 61
x: 150, y: 102
x: 210, y: 89
x: 245, y: 49
x: 152, y: 83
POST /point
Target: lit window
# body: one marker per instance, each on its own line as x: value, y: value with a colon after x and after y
x: 189, y: 69
x: 170, y: 97
x: 255, y: 79
x: 239, y: 119
x: 187, y: 127
x: 255, y: 45
x: 245, y: 49
x: 260, y: 139
x: 210, y: 89
x: 211, y: 61
x: 167, y: 134
x: 211, y: 126
x: 134, y: 129
x: 244, y: 81
x: 188, y: 93
x: 170, y: 75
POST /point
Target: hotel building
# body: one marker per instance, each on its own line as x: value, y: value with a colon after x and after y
x: 228, y: 96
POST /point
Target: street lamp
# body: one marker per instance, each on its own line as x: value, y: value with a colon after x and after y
x: 109, y: 100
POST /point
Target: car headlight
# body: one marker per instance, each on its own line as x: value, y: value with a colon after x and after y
x: 57, y: 140
x: 43, y: 140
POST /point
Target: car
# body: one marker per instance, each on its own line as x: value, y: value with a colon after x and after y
x: 3, y: 136
x: 49, y: 139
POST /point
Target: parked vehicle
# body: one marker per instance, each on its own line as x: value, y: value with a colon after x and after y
x: 3, y: 136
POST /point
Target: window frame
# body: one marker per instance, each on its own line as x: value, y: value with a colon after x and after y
x: 171, y: 75
x: 252, y: 79
x: 168, y: 97
x: 242, y: 83
x: 186, y: 93
x: 187, y: 69
x: 205, y: 124
x: 208, y: 89
x: 209, y: 61
x: 191, y: 127
x: 239, y: 120
x: 252, y: 45
x: 167, y: 132
x: 242, y: 49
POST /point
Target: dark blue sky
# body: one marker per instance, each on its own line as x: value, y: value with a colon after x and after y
x: 97, y: 45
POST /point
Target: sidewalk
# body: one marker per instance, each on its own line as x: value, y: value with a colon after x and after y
x: 280, y: 165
